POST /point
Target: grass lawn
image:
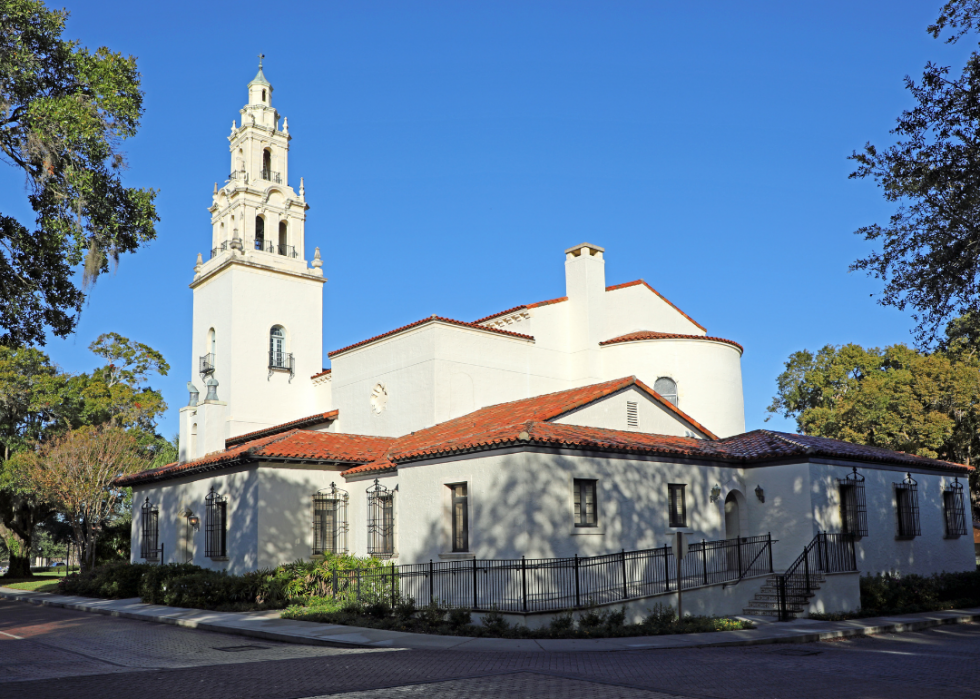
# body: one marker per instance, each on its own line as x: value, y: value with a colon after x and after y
x: 41, y: 582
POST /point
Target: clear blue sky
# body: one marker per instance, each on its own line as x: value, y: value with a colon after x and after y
x: 453, y: 150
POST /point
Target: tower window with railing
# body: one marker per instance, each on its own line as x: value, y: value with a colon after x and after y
x: 259, y: 233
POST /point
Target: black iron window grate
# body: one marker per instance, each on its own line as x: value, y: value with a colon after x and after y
x: 330, y: 521
x: 853, y: 506
x: 150, y: 549
x: 461, y: 517
x: 907, y: 501
x: 215, y: 525
x: 677, y: 504
x: 585, y: 508
x: 381, y: 521
x: 953, y: 510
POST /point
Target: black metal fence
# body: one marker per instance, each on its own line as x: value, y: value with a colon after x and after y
x: 555, y: 584
x: 827, y: 553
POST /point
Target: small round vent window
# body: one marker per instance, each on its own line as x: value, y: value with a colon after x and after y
x: 379, y: 398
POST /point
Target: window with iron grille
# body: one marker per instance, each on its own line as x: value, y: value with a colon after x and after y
x: 461, y: 517
x: 381, y: 521
x: 907, y: 501
x: 150, y: 534
x: 853, y: 507
x: 330, y: 521
x: 677, y: 504
x: 585, y: 509
x: 632, y: 416
x: 215, y: 525
x: 953, y: 510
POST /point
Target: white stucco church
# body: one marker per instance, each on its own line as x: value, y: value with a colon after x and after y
x: 600, y: 420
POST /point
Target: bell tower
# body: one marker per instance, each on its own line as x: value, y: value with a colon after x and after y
x: 258, y: 304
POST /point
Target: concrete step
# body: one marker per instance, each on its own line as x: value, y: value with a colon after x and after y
x: 755, y: 604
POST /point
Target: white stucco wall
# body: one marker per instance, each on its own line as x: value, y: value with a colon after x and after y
x: 611, y: 413
x: 240, y: 487
x: 881, y: 551
x: 708, y: 376
x: 633, y: 308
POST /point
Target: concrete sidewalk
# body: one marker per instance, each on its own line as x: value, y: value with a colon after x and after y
x: 269, y: 626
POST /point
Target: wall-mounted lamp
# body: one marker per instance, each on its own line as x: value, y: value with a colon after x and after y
x: 760, y: 493
x: 194, y: 521
x: 716, y: 493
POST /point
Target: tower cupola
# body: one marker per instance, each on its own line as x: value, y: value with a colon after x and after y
x: 260, y: 89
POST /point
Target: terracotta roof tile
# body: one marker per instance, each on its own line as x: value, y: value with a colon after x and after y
x: 424, y: 321
x: 322, y: 373
x: 284, y: 427
x: 664, y: 298
x: 518, y: 308
x: 295, y: 445
x: 650, y: 335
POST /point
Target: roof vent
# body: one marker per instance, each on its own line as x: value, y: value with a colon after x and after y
x: 632, y: 417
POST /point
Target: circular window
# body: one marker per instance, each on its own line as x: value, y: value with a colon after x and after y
x: 379, y: 398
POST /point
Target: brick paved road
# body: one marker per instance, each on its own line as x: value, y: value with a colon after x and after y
x: 72, y: 654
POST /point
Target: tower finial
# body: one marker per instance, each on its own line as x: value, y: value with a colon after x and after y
x: 261, y: 56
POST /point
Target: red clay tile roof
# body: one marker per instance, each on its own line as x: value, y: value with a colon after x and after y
x: 322, y: 373
x: 485, y: 423
x: 518, y: 308
x: 284, y: 427
x: 665, y: 299
x: 433, y: 319
x: 650, y: 335
x: 757, y: 446
x: 295, y: 445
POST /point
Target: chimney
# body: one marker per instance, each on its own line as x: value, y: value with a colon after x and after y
x: 211, y: 422
x: 585, y: 287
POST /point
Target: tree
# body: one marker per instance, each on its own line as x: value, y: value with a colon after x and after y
x: 896, y: 398
x: 64, y: 110
x: 38, y: 402
x: 930, y: 248
x: 75, y: 471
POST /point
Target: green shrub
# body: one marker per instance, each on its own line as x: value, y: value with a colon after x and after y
x: 459, y: 619
x: 562, y: 623
x: 494, y: 622
x: 118, y: 580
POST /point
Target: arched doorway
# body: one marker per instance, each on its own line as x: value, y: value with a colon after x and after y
x: 733, y: 523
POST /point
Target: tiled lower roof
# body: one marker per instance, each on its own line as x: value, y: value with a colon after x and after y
x: 520, y: 308
x: 650, y: 335
x: 321, y: 373
x: 294, y: 446
x: 284, y: 427
x: 425, y: 321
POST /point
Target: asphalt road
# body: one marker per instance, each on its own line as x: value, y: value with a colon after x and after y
x: 48, y: 652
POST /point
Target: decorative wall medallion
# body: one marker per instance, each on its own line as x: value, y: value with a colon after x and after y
x: 379, y: 398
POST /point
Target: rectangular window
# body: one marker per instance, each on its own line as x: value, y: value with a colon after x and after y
x: 907, y: 500
x: 677, y: 504
x: 632, y: 417
x: 953, y: 511
x: 585, y: 511
x: 853, y: 507
x: 381, y: 521
x: 330, y: 521
x: 461, y: 516
x: 150, y: 535
x: 215, y: 526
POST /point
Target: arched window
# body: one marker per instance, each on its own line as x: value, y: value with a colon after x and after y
x: 212, y: 341
x: 666, y: 387
x: 277, y: 348
x: 259, y: 233
x: 266, y: 164
x: 283, y: 238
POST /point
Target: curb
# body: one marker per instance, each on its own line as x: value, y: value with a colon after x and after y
x: 956, y: 617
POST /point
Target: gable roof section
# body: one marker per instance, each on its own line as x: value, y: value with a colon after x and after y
x: 426, y: 321
x: 650, y: 335
x: 520, y: 308
x: 295, y: 446
x: 284, y: 427
x: 662, y: 297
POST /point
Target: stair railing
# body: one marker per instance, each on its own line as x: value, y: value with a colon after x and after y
x: 766, y: 550
x: 827, y: 553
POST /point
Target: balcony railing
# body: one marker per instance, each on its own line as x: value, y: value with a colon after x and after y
x: 271, y: 176
x: 284, y: 250
x: 207, y: 364
x: 239, y: 175
x: 281, y: 361
x: 221, y: 248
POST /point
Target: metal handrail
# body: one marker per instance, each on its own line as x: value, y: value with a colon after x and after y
x: 271, y: 176
x: 767, y: 549
x: 844, y: 561
x: 207, y: 364
x: 281, y: 361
